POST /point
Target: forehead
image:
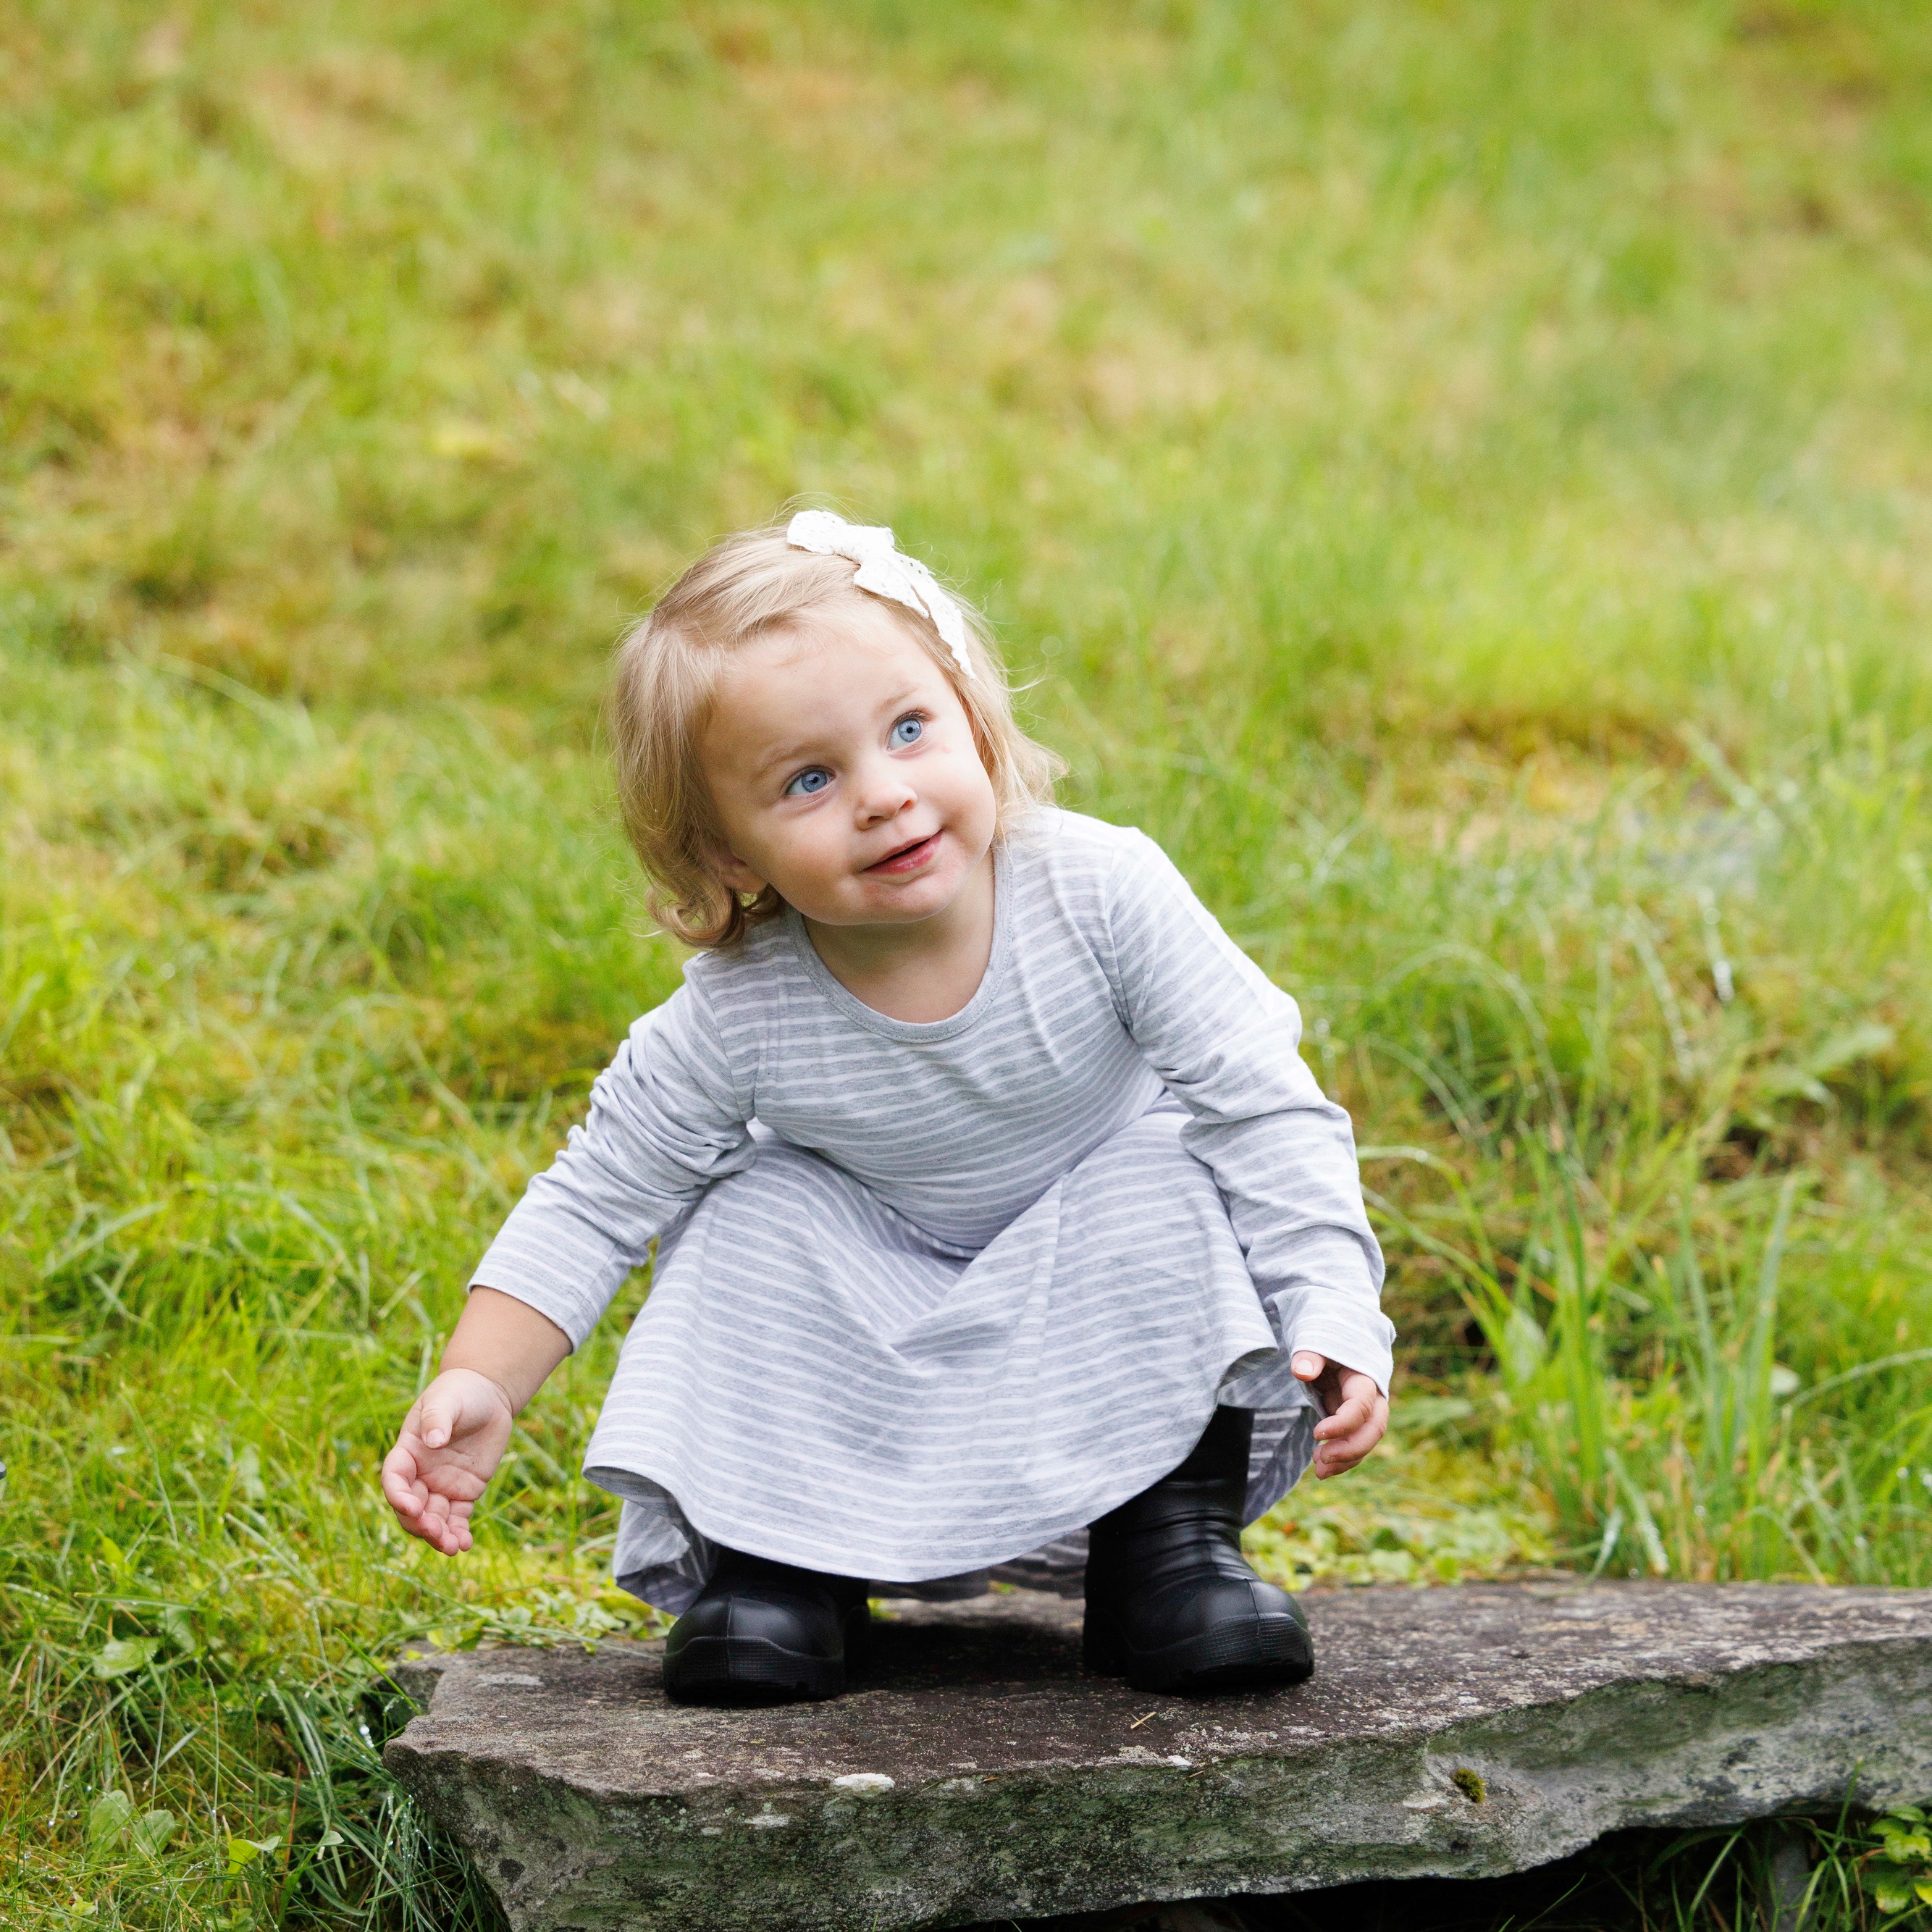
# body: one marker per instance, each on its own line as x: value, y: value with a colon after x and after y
x: 858, y: 639
x: 798, y: 688
x: 857, y: 618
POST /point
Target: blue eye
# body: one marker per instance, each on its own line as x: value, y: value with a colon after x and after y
x: 908, y: 731
x: 808, y: 783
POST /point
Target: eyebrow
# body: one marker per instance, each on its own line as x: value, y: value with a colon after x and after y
x: 799, y: 751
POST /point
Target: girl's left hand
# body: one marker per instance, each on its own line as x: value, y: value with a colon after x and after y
x: 1357, y: 1412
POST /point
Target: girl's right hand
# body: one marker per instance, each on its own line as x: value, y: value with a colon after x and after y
x: 446, y: 1451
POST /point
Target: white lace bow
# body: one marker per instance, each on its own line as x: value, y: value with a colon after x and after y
x: 886, y: 570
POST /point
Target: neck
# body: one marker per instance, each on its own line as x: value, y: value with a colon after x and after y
x: 924, y: 971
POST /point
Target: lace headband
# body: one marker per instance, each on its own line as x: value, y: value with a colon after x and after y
x: 886, y: 570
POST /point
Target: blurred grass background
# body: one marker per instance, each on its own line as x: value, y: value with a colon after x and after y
x: 1459, y: 472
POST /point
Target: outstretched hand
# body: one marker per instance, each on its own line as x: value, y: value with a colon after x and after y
x: 1355, y: 1412
x: 446, y: 1451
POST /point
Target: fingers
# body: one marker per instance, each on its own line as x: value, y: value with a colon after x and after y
x: 448, y: 1448
x: 1346, y: 1421
x: 444, y: 1525
x: 1337, y: 1460
x: 1308, y: 1365
x: 436, y: 1419
x: 1339, y: 1453
x: 438, y: 1517
x: 403, y: 1487
x: 440, y: 1521
x: 1358, y: 1423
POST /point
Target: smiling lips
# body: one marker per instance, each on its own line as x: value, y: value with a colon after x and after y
x: 908, y: 858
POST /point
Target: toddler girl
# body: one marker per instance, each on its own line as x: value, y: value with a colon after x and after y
x: 1000, y: 1230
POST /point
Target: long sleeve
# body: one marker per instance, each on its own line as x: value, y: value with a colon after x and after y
x: 1226, y: 1041
x: 665, y: 1121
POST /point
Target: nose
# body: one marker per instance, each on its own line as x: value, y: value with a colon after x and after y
x: 883, y: 793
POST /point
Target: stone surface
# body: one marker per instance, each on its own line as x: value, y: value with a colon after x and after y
x: 976, y: 1774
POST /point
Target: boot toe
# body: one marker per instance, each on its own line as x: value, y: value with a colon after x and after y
x: 1221, y: 1634
x: 747, y: 1647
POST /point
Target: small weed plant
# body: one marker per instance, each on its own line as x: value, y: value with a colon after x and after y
x: 1899, y: 1875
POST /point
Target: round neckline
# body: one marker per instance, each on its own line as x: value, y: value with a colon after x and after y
x: 854, y: 1008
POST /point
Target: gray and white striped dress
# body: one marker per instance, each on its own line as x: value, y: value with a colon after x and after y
x: 929, y: 1298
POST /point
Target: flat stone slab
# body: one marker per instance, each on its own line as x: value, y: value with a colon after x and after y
x: 977, y: 1773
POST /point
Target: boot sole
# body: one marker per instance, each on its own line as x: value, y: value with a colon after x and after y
x: 1257, y: 1653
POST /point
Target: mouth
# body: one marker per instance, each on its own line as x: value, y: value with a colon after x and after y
x: 909, y: 857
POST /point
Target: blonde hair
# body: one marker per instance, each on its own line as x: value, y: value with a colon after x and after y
x: 665, y: 675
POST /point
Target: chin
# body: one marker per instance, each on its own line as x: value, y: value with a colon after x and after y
x: 922, y: 899
x: 909, y: 906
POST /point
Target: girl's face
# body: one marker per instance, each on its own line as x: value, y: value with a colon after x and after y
x: 844, y: 772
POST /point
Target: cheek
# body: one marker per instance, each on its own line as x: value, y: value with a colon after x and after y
x: 809, y: 843
x: 974, y: 757
x: 975, y: 782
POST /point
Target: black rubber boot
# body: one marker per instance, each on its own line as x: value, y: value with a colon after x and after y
x: 763, y: 1633
x: 1171, y: 1604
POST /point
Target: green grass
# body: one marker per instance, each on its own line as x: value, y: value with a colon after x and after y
x: 1460, y: 475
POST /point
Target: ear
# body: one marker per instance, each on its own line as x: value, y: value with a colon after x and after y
x: 732, y: 871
